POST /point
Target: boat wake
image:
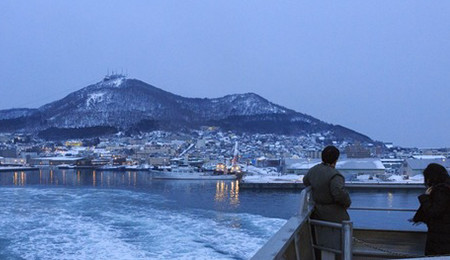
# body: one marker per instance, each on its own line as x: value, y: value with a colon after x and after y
x: 77, y: 223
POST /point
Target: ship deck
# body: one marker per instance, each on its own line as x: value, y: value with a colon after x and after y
x: 299, y: 238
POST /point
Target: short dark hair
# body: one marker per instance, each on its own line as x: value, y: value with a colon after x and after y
x: 435, y: 174
x: 330, y: 154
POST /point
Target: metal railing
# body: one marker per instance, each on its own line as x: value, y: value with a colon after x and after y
x: 299, y: 237
x: 285, y: 244
x: 382, y: 209
x: 343, y: 246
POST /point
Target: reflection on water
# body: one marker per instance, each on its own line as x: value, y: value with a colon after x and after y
x: 390, y: 199
x: 234, y: 193
x: 227, y: 190
x: 222, y: 196
x: 19, y: 178
x: 73, y: 178
x: 221, y: 189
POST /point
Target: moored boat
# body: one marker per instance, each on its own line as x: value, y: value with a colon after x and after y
x: 66, y: 166
x: 189, y: 173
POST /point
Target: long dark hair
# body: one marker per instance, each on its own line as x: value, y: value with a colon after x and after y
x: 435, y: 174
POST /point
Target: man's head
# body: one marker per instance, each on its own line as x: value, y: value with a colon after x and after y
x: 330, y: 155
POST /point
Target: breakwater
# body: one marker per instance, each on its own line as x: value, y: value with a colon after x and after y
x: 351, y: 185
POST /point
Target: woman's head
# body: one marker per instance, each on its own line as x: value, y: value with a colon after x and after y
x: 435, y: 174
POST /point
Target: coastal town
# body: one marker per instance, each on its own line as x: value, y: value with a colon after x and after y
x: 258, y: 155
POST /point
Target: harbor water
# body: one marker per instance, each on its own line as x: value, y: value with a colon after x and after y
x: 85, y: 214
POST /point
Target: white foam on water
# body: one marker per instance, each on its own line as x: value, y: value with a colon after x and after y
x: 120, y: 224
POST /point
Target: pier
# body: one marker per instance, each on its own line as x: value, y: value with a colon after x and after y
x: 22, y: 169
x: 349, y: 185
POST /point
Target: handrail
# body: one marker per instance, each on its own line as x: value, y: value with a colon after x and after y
x: 306, y: 202
x: 382, y: 209
x: 288, y: 235
x: 295, y: 239
x: 346, y: 241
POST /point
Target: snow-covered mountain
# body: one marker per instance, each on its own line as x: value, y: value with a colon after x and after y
x: 122, y: 104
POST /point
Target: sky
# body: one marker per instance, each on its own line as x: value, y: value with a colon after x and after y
x: 379, y: 67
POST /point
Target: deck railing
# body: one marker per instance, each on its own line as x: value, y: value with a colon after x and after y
x: 293, y: 240
x: 301, y: 238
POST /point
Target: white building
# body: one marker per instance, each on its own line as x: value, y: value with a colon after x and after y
x: 347, y: 167
x: 412, y: 167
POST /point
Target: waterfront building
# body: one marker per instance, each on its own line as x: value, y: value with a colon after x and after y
x: 413, y: 167
x: 12, y: 161
x: 348, y: 167
x: 392, y: 165
x: 361, y: 166
x: 267, y: 162
x: 299, y: 166
x: 313, y: 153
x: 8, y: 152
x: 73, y: 143
x: 357, y: 151
x: 51, y: 161
x: 159, y: 161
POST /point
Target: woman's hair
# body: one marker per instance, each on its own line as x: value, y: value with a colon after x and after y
x: 435, y: 174
x: 330, y: 154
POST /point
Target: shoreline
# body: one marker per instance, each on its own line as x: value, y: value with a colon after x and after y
x: 348, y: 185
x: 24, y: 168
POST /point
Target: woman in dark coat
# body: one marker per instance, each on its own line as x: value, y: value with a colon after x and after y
x: 434, y: 210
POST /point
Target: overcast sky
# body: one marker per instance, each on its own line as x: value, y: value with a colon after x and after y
x: 379, y: 67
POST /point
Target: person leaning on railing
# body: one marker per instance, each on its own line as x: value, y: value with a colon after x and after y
x: 328, y: 188
x: 331, y: 200
x: 434, y: 210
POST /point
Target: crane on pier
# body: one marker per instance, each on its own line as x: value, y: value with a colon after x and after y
x: 235, y: 168
x: 222, y: 168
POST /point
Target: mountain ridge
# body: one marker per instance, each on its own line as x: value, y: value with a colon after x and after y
x: 124, y: 104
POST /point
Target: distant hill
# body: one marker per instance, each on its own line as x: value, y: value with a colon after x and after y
x: 120, y: 104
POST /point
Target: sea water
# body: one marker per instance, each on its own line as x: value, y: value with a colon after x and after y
x: 72, y: 214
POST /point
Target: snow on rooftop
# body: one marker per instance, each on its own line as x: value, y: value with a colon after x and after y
x: 267, y: 171
x: 367, y: 178
x: 347, y: 164
x: 60, y: 158
x: 428, y: 157
x: 418, y: 177
x: 395, y: 178
x: 306, y: 164
x: 420, y: 164
x: 363, y: 163
x: 288, y: 178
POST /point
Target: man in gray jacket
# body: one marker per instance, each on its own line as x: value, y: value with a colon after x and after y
x: 328, y: 191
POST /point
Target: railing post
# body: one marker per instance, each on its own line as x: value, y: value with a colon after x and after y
x: 347, y: 235
x: 305, y: 201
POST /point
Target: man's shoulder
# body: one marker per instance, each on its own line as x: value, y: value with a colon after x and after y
x: 325, y: 170
x: 336, y: 175
x: 315, y: 168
